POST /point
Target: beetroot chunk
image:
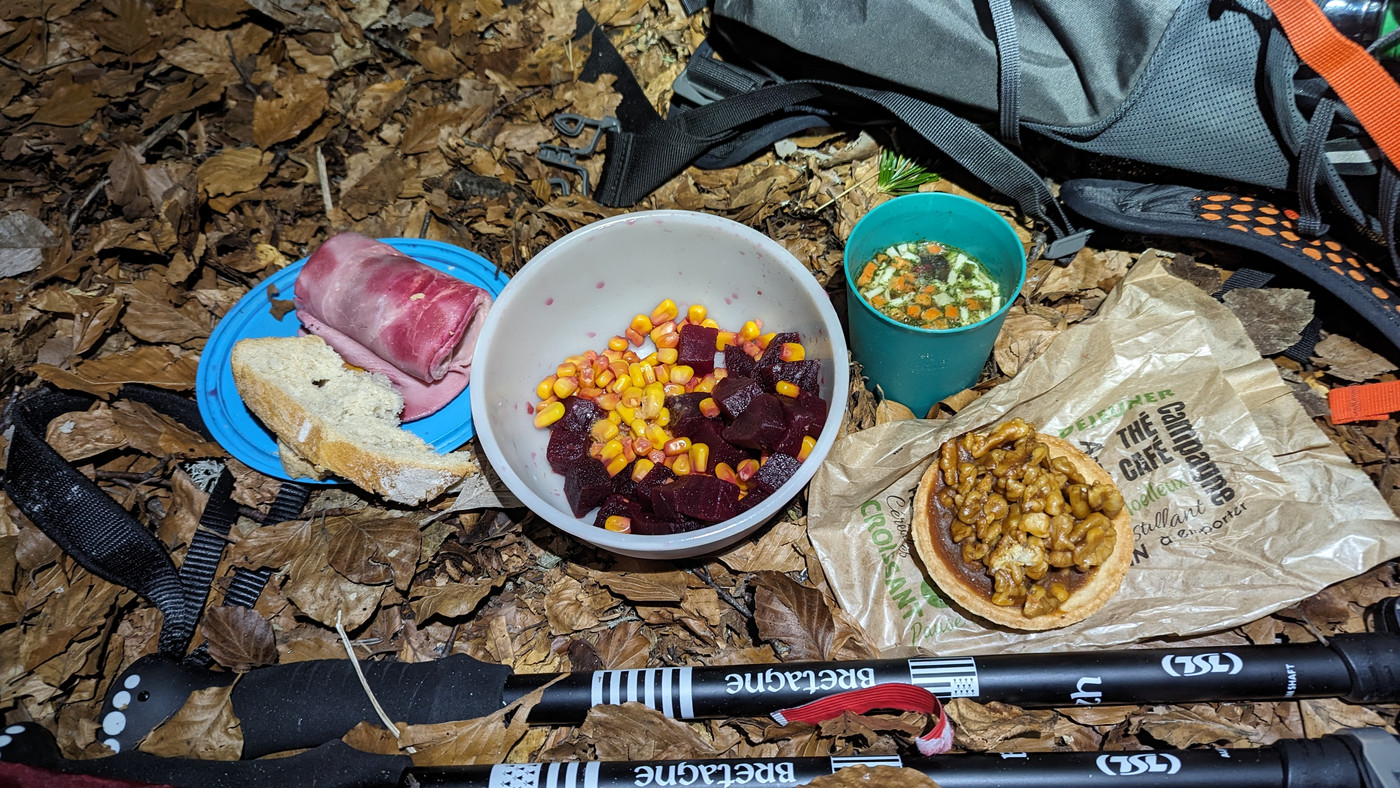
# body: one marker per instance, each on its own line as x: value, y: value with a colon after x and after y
x: 739, y: 363
x: 587, y: 484
x: 772, y: 353
x: 774, y: 473
x: 697, y: 348
x: 566, y: 448
x: 685, y: 413
x: 805, y: 416
x: 760, y: 426
x: 733, y: 395
x: 617, y: 505
x: 805, y: 374
x: 657, y: 476
x: 653, y: 525
x: 704, y: 498
x: 710, y: 433
x: 579, y: 415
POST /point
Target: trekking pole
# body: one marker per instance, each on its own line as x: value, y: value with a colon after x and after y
x: 328, y: 699
x: 1358, y: 758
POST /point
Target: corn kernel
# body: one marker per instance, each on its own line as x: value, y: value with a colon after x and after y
x: 648, y: 375
x: 638, y: 426
x: 787, y: 389
x: 657, y: 436
x: 676, y: 446
x: 669, y: 340
x: 674, y: 389
x: 602, y: 379
x: 720, y: 373
x: 626, y: 412
x: 590, y: 393
x: 603, y: 430
x: 706, y: 384
x: 767, y: 339
x: 658, y: 456
x: 586, y: 378
x: 619, y: 367
x: 618, y: 523
x: 546, y: 386
x: 614, y: 416
x: 699, y: 457
x: 681, y: 374
x: 632, y: 397
x: 696, y: 313
x: 726, y: 473
x: 565, y: 387
x: 663, y: 373
x: 724, y: 339
x: 635, y: 337
x: 667, y: 355
x: 749, y: 331
x: 792, y: 351
x: 616, y: 464
x: 549, y: 414
x: 629, y: 451
x: 680, y: 465
x: 566, y: 370
x: 617, y: 343
x: 709, y: 323
x: 642, y: 468
x: 611, y: 449
x: 608, y: 400
x: 631, y: 357
x: 808, y: 443
x: 709, y: 408
x: 664, y: 311
x: 661, y: 330
x: 652, y: 401
x: 620, y: 384
x: 747, y: 469
x: 642, y: 447
x: 663, y: 419
x: 642, y: 325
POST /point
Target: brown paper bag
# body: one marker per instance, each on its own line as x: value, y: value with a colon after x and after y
x: 1240, y: 505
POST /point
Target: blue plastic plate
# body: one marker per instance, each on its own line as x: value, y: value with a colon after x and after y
x: 242, y: 435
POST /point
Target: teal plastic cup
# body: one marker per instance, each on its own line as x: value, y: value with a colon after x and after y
x: 917, y: 367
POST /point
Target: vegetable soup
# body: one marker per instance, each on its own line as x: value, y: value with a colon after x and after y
x: 927, y: 284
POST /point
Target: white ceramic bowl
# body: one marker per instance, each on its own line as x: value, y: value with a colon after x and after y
x: 585, y: 288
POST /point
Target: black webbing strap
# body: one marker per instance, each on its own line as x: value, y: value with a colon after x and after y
x: 641, y: 159
x: 85, y: 522
x: 1253, y: 279
x: 206, y: 548
x: 1008, y: 69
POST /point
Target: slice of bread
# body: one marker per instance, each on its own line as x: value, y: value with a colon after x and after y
x: 339, y: 420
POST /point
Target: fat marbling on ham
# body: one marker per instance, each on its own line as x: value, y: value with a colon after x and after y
x: 388, y: 313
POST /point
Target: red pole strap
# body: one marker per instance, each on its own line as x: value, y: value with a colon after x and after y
x: 899, y: 697
x: 1360, y: 81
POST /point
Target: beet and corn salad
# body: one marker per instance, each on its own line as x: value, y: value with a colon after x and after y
x: 929, y: 285
x: 671, y: 441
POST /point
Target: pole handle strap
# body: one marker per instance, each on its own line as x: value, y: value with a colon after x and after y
x: 1358, y: 78
x: 899, y: 697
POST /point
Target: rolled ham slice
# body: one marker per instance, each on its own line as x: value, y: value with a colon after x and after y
x: 388, y: 313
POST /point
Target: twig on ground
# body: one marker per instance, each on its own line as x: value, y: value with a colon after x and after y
x: 704, y: 574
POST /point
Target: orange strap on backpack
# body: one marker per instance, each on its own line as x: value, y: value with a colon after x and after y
x: 1361, y: 83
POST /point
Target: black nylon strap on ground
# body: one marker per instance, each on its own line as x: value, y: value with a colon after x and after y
x: 1008, y: 69
x: 640, y: 160
x: 206, y: 548
x: 85, y: 522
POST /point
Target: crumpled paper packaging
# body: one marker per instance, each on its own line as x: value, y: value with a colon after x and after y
x: 1240, y: 504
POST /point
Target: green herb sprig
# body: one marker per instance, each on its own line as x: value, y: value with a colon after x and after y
x: 899, y: 175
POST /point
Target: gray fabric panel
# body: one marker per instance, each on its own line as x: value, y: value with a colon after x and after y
x: 1198, y: 106
x: 1075, y: 71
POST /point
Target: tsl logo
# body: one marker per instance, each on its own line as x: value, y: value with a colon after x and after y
x: 1202, y: 664
x: 1142, y: 763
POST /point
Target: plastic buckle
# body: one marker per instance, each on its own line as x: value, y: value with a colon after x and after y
x: 1380, y: 755
x: 571, y: 125
x: 1066, y: 246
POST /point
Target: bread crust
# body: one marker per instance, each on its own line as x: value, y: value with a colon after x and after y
x: 1103, y: 580
x: 316, y: 440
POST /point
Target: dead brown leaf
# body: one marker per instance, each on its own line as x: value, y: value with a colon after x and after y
x: 205, y: 728
x: 299, y: 103
x: 238, y: 638
x: 452, y: 600
x: 633, y: 732
x: 1273, y: 317
x: 1345, y: 359
x: 867, y: 776
x: 372, y: 549
x: 163, y: 366
x: 794, y: 615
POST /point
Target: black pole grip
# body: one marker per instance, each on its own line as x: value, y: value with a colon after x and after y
x: 334, y: 763
x: 302, y: 704
x: 1374, y: 664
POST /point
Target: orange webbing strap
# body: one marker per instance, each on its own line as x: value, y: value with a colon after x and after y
x: 1363, y: 403
x: 1358, y: 79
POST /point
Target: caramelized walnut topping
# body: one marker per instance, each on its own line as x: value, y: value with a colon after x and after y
x: 1018, y: 513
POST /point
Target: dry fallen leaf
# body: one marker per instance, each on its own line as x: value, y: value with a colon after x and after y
x: 874, y: 777
x: 22, y: 241
x: 1273, y: 317
x: 793, y: 615
x: 1345, y: 359
x: 238, y: 638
